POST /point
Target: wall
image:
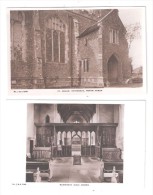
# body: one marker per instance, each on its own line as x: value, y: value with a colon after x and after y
x: 88, y: 48
x: 106, y: 113
x: 31, y: 130
x: 42, y: 110
x: 60, y: 74
x: 120, y: 50
x: 120, y: 128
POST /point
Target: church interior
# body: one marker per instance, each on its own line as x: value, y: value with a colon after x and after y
x: 75, y: 143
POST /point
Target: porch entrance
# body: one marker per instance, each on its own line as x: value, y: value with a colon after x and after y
x: 112, y: 69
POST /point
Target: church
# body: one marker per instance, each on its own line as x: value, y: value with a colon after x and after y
x: 80, y: 143
x: 67, y: 49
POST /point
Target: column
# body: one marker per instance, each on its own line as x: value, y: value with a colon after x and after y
x: 66, y: 144
x: 37, y: 66
x: 100, y: 81
x: 90, y: 143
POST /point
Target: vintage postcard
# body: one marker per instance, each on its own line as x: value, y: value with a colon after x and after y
x: 75, y: 143
x: 88, y: 146
x: 77, y: 50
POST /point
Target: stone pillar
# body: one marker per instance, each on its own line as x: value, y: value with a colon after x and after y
x: 38, y: 81
x: 119, y: 110
x: 100, y: 82
x: 75, y: 61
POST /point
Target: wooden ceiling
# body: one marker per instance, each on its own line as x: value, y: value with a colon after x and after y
x: 85, y: 110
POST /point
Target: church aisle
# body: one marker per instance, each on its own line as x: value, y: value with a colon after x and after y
x: 65, y: 172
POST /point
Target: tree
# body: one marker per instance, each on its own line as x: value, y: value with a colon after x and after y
x: 133, y: 31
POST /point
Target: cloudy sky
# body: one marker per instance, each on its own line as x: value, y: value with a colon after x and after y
x: 131, y: 16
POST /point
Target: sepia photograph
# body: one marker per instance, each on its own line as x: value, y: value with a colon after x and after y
x: 75, y: 143
x: 77, y: 48
x: 76, y: 97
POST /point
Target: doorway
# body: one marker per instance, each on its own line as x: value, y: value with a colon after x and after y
x: 76, y: 145
x: 112, y: 69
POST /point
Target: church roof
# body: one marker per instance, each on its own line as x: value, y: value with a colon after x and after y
x: 89, y: 30
x: 95, y: 26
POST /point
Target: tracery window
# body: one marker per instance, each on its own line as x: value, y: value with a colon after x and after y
x: 55, y: 40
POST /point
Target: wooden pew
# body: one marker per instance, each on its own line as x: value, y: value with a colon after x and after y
x: 112, y: 157
x: 31, y: 169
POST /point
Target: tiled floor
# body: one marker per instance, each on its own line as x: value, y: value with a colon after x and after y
x: 65, y: 172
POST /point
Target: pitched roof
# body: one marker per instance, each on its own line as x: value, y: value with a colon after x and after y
x: 89, y: 30
x: 95, y: 26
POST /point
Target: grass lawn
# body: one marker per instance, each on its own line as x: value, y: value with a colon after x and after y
x: 132, y: 85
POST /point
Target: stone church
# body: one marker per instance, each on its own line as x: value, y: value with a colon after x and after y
x: 63, y: 132
x: 67, y: 49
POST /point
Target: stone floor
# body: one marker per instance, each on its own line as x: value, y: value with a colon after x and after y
x: 65, y: 172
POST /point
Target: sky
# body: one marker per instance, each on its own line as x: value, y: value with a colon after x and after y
x: 131, y: 16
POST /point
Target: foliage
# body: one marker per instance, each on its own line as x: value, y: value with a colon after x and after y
x: 133, y: 31
x: 18, y: 53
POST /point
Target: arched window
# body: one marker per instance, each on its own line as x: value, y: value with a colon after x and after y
x: 59, y: 138
x: 73, y: 133
x: 114, y: 36
x: 68, y: 140
x: 84, y: 138
x: 79, y: 133
x: 56, y: 46
x: 62, y: 47
x: 47, y: 119
x: 55, y: 40
x: 49, y: 45
x: 93, y: 138
x: 64, y: 138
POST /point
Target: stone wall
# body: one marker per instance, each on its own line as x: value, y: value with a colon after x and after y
x: 119, y: 50
x: 29, y: 67
x: 41, y: 111
x: 31, y: 129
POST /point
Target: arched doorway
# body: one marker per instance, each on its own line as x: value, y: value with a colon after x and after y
x: 112, y: 69
x: 76, y: 145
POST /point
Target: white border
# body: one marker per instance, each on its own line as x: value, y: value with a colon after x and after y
x: 12, y: 136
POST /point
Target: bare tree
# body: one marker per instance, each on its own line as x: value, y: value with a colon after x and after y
x: 133, y: 31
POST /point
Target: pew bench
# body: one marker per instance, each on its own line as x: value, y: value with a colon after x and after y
x: 108, y: 168
x: 31, y: 169
x: 111, y: 158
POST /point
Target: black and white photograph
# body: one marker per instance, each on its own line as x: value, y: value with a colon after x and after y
x: 77, y: 48
x: 70, y: 143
